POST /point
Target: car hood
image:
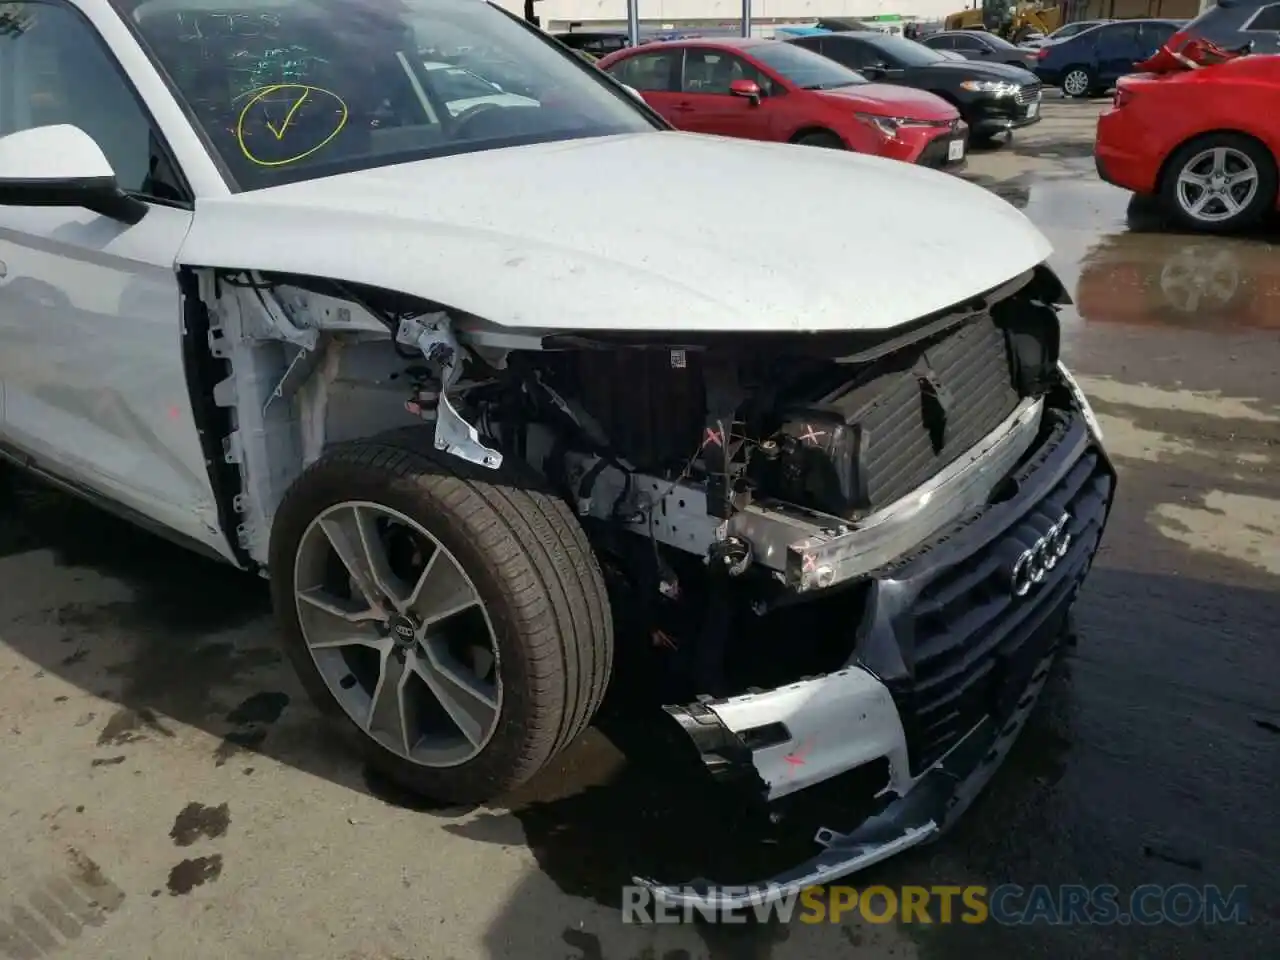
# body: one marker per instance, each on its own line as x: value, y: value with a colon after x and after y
x: 890, y: 100
x: 647, y: 231
x: 961, y: 69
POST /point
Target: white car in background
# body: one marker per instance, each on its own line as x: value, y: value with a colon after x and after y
x: 1037, y: 41
x: 278, y: 290
x: 463, y: 90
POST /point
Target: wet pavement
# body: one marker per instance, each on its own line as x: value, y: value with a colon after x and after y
x: 159, y: 758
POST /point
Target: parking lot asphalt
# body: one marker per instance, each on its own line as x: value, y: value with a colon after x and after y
x: 158, y: 756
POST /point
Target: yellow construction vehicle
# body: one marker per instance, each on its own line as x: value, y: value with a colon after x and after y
x: 1012, y: 19
x: 1042, y: 18
x: 970, y: 18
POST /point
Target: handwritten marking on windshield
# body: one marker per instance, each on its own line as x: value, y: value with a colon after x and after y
x: 298, y: 93
x: 288, y: 117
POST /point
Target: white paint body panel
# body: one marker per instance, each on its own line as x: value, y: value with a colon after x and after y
x: 837, y: 722
x: 91, y: 359
x: 642, y: 232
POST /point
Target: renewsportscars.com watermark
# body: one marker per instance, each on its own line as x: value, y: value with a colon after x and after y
x: 1008, y: 905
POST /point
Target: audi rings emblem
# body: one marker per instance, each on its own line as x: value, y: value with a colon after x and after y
x: 1034, y: 564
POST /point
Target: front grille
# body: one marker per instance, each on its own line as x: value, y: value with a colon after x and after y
x: 1026, y: 94
x: 935, y: 153
x: 971, y: 643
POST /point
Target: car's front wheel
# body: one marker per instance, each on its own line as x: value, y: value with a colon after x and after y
x: 1219, y: 183
x: 827, y: 141
x: 1078, y: 82
x: 452, y: 621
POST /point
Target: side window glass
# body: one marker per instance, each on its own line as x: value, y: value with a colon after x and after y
x: 942, y: 43
x: 1268, y: 18
x: 647, y: 71
x: 54, y: 68
x: 712, y: 71
x: 1115, y: 38
x: 968, y: 43
x: 860, y: 55
x: 709, y: 71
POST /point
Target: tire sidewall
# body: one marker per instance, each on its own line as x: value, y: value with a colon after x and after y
x: 1263, y: 199
x: 348, y: 481
x: 823, y: 141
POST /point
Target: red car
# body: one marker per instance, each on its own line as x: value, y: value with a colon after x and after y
x: 770, y: 90
x: 1197, y: 127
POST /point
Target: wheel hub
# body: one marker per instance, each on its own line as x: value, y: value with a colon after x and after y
x: 403, y: 629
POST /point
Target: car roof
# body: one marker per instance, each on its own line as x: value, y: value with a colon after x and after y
x: 729, y: 43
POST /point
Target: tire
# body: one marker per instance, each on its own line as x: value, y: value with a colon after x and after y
x: 1078, y: 82
x: 1240, y: 154
x: 538, y: 588
x: 828, y: 141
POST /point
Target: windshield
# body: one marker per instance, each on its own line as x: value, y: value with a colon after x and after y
x: 807, y: 70
x: 288, y: 90
x: 906, y: 52
x: 999, y: 41
x: 1071, y: 29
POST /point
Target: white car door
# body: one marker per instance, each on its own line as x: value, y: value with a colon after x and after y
x: 90, y: 313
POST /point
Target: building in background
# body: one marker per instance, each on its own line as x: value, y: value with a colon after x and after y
x: 560, y: 15
x: 557, y: 15
x: 1131, y: 9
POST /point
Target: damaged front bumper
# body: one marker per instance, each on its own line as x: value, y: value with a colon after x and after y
x: 954, y: 647
x: 919, y: 814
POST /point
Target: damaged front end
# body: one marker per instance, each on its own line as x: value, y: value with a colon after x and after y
x: 834, y: 557
x: 952, y: 648
x: 884, y: 572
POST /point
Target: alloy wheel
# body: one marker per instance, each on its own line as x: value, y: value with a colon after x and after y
x: 399, y: 633
x: 1075, y: 83
x: 1217, y: 184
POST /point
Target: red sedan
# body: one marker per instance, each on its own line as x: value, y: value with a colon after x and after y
x: 1202, y: 138
x: 769, y: 90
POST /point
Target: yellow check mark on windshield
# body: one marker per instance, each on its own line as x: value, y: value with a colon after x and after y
x: 288, y: 117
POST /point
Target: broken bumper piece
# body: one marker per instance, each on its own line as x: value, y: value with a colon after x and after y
x: 928, y: 806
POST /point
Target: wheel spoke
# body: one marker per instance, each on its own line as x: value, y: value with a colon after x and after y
x: 1240, y: 177
x: 470, y: 702
x: 441, y: 591
x: 388, y: 714
x: 1192, y: 179
x: 1229, y: 202
x: 343, y: 530
x: 1219, y: 161
x: 375, y: 550
x: 321, y: 600
x: 338, y: 623
x: 1200, y: 203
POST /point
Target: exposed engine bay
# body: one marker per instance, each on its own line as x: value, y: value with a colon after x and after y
x: 720, y: 478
